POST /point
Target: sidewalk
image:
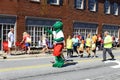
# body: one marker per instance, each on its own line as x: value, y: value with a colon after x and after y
x: 17, y: 56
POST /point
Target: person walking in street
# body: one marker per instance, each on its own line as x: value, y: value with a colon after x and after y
x: 58, y: 38
x: 94, y: 49
x: 69, y: 46
x: 10, y: 40
x: 94, y: 39
x: 27, y: 40
x: 107, y: 46
x: 88, y: 45
x: 81, y: 48
x: 44, y: 44
x: 75, y: 43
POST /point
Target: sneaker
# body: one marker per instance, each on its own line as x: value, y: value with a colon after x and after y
x: 81, y: 55
x: 96, y: 56
x: 52, y: 62
x: 103, y: 60
x: 88, y: 56
x: 112, y: 59
x: 4, y: 57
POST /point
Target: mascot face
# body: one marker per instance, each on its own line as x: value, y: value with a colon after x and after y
x: 58, y: 25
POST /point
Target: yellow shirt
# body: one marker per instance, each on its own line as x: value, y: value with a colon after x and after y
x: 69, y: 44
x: 88, y: 42
x: 108, y: 42
x: 94, y: 38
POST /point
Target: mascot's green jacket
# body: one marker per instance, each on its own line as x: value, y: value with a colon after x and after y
x: 58, y: 38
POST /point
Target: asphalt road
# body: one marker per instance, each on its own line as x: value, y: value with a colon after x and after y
x: 40, y: 68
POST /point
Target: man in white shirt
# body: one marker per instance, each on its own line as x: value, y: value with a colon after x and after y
x: 10, y: 40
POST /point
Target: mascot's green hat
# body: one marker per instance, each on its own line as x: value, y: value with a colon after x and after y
x: 58, y: 24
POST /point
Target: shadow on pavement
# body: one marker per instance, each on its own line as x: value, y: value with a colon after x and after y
x: 69, y: 63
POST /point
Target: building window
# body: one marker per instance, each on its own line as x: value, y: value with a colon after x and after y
x: 107, y: 7
x: 55, y: 2
x: 80, y: 4
x: 36, y: 28
x: 93, y: 5
x: 36, y: 32
x: 115, y: 9
x: 83, y: 29
x: 112, y: 29
x: 35, y: 0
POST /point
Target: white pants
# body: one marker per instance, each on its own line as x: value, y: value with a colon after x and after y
x: 10, y: 44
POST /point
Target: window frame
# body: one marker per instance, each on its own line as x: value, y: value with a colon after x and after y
x: 115, y: 9
x: 80, y: 6
x: 57, y: 2
x: 94, y: 7
x: 107, y: 5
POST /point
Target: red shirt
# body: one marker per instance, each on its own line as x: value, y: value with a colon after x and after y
x: 25, y: 37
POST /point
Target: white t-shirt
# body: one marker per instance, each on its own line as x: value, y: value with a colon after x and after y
x: 11, y: 36
x: 44, y: 42
x: 58, y: 35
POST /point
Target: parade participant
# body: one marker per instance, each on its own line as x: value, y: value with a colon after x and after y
x: 27, y: 40
x: 44, y: 44
x: 10, y: 40
x: 75, y: 43
x: 81, y: 48
x: 107, y: 46
x: 88, y: 45
x: 94, y: 48
x: 69, y: 46
x: 58, y: 38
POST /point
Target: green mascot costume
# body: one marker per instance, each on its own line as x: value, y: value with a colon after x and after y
x: 58, y: 38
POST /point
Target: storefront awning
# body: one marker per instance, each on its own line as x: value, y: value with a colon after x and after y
x: 40, y: 21
x: 84, y: 25
x: 7, y: 19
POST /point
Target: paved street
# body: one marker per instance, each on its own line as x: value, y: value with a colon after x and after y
x: 40, y: 68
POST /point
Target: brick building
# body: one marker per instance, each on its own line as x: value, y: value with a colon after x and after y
x: 79, y: 17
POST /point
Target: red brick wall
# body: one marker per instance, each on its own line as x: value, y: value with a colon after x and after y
x: 8, y: 7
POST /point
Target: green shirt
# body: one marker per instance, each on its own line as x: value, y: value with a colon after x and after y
x: 108, y: 42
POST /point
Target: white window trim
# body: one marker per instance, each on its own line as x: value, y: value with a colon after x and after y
x: 94, y: 8
x: 116, y: 12
x: 57, y: 3
x: 35, y: 0
x: 81, y: 6
x: 108, y: 11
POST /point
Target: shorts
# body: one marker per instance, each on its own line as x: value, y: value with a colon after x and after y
x: 10, y: 44
x: 81, y: 51
x: 87, y: 46
x: 27, y: 44
x: 44, y: 46
x: 94, y: 50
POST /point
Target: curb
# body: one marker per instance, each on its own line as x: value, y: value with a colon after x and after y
x: 26, y: 56
x: 37, y: 55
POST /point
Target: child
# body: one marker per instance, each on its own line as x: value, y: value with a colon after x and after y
x: 69, y: 44
x: 94, y: 49
x: 81, y: 48
x: 88, y: 45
